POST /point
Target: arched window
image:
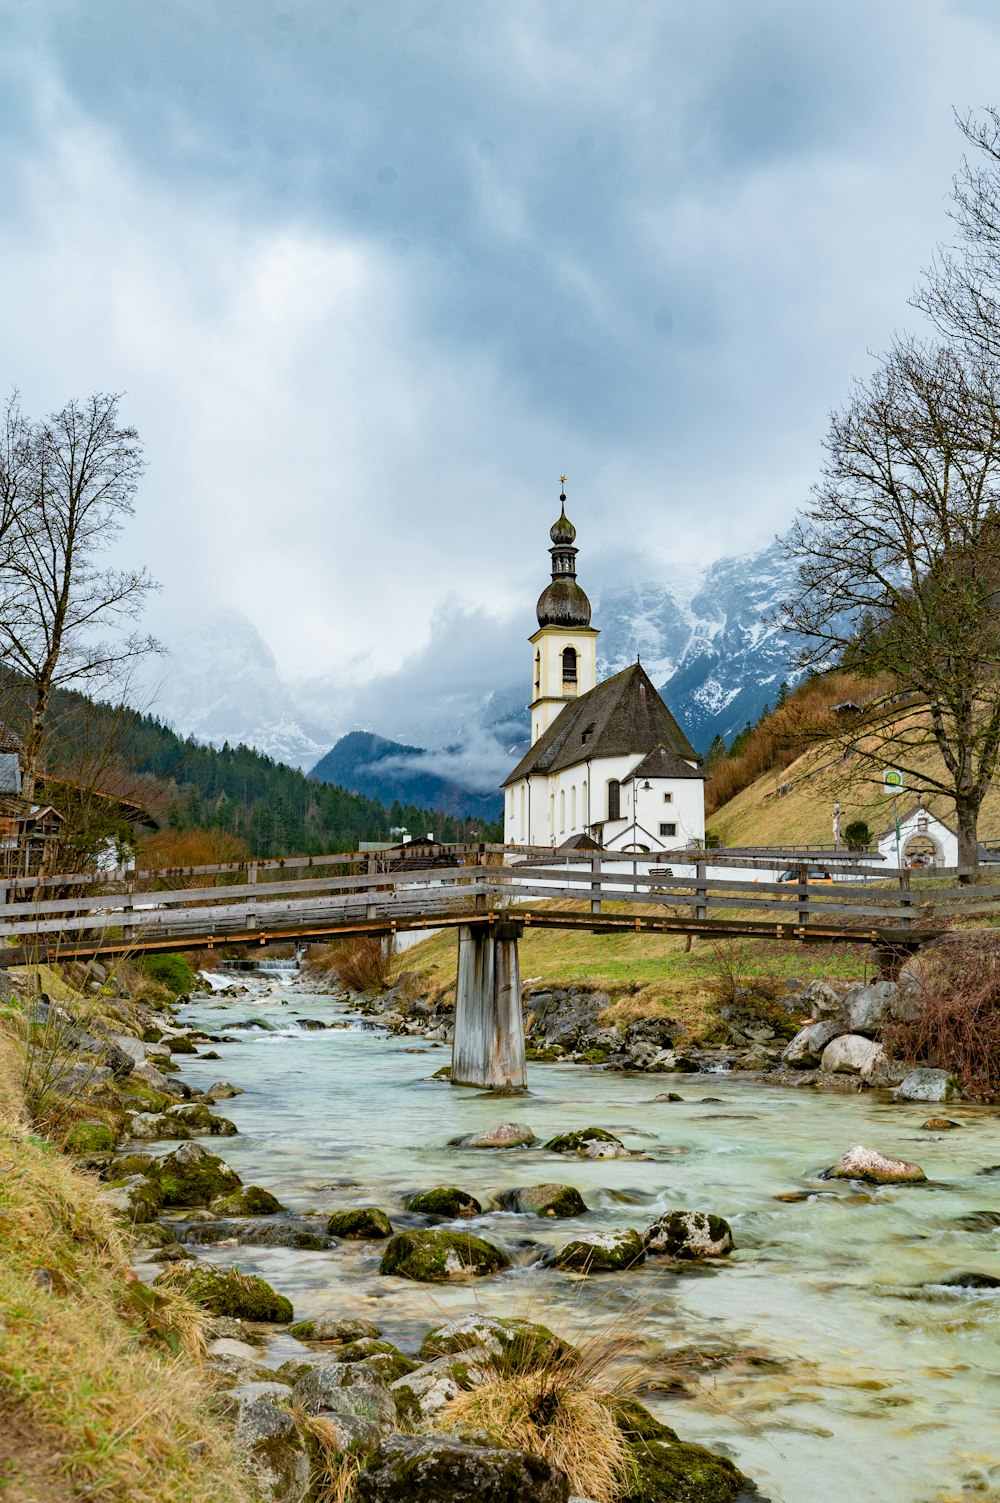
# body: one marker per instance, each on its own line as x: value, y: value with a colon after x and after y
x: 523, y: 832
x: 569, y: 665
x: 562, y: 811
x: 572, y: 807
x: 614, y: 799
x: 538, y: 672
x: 552, y: 815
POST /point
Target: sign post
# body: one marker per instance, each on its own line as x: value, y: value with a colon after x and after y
x: 893, y: 778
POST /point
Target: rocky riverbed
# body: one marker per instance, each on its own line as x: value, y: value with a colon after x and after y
x: 803, y: 1283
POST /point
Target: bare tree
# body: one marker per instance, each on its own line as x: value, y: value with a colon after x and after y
x: 898, y: 570
x: 66, y: 616
x: 960, y: 291
x: 17, y: 480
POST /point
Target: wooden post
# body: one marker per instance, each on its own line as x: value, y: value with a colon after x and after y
x: 595, y: 884
x: 252, y: 902
x: 488, y: 1049
x: 803, y: 891
x: 372, y: 868
x: 701, y: 893
x: 905, y: 898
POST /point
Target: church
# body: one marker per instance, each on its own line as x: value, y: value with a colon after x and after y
x: 608, y: 763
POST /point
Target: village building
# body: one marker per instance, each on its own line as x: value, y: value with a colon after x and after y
x: 924, y: 841
x: 608, y: 763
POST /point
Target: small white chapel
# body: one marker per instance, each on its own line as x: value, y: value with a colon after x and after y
x: 608, y: 765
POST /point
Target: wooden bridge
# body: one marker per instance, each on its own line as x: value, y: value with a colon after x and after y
x: 490, y: 894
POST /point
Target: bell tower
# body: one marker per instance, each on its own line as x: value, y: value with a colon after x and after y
x: 564, y: 660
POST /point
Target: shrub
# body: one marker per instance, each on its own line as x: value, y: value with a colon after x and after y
x: 360, y: 965
x: 958, y: 1023
x: 857, y: 835
x: 171, y: 971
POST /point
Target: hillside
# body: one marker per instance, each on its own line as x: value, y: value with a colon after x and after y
x: 274, y: 808
x: 382, y: 769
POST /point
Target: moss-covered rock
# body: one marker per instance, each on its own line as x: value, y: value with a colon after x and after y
x: 427, y: 1468
x: 90, y: 1137
x: 142, y: 1097
x: 197, y: 1118
x: 586, y: 1141
x: 667, y: 1471
x: 543, y: 1200
x: 136, y: 1199
x: 191, y: 1176
x: 444, y: 1201
x: 154, y: 1235
x: 363, y: 1224
x: 602, y: 1252
x: 635, y: 1421
x: 379, y: 1357
x: 690, y: 1235
x: 434, y: 1256
x: 330, y: 1328
x: 229, y: 1292
x: 513, y: 1345
x: 251, y: 1200
x: 130, y: 1163
x: 153, y: 1127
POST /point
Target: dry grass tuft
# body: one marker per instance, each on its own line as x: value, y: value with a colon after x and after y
x: 360, y: 965
x: 334, y: 1472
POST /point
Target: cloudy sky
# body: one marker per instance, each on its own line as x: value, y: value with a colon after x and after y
x: 373, y: 274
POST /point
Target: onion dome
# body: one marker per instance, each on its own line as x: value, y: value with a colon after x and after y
x: 563, y: 602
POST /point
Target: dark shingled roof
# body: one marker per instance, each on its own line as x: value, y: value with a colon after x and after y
x: 624, y: 715
x: 662, y: 763
x: 10, y: 741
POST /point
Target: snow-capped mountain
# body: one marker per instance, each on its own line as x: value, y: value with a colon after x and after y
x: 705, y: 638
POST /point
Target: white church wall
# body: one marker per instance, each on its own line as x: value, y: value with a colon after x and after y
x: 679, y: 802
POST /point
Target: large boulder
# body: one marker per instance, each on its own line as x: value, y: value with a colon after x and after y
x: 875, y: 1168
x: 927, y: 1085
x: 154, y: 1127
x: 137, y: 1198
x: 689, y: 1235
x: 805, y: 1050
x: 504, y: 1135
x: 824, y: 1000
x: 602, y: 1252
x: 434, y: 1256
x: 150, y: 1076
x: 251, y: 1200
x: 423, y: 1395
x: 199, y: 1120
x: 871, y: 1007
x: 851, y: 1054
x: 332, y: 1328
x: 350, y: 1389
x: 191, y: 1176
x: 439, y: 1469
x: 226, y: 1291
x: 543, y: 1200
x: 445, y: 1201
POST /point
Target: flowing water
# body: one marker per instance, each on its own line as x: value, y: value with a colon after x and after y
x: 815, y: 1356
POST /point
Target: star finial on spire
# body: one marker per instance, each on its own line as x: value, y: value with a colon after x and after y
x: 562, y: 483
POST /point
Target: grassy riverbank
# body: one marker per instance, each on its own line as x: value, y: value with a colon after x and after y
x: 101, y: 1389
x: 647, y: 974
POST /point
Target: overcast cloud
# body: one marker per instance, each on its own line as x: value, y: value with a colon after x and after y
x: 373, y: 275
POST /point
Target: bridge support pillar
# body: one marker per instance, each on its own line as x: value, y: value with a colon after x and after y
x: 489, y: 1026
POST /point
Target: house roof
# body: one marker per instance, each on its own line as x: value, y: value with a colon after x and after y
x: 618, y: 718
x: 661, y: 763
x: 10, y: 741
x: 580, y: 843
x: 10, y: 773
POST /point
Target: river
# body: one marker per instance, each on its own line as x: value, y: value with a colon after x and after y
x: 813, y: 1356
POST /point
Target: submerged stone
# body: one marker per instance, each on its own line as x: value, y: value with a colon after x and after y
x: 939, y: 1124
x: 434, y: 1256
x: 602, y: 1252
x: 444, y: 1201
x: 363, y: 1224
x: 874, y: 1168
x: 690, y: 1235
x: 505, y: 1135
x: 330, y: 1328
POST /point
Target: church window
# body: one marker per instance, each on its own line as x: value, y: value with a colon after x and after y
x: 569, y: 665
x: 668, y: 829
x: 588, y: 732
x: 562, y: 812
x: 668, y: 798
x: 538, y: 672
x: 614, y: 799
x: 572, y: 807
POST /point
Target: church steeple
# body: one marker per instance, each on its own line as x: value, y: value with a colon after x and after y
x: 563, y: 602
x: 565, y: 662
